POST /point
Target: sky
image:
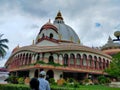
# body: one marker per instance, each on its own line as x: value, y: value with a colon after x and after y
x: 93, y: 20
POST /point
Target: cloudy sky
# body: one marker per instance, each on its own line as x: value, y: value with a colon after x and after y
x: 93, y: 20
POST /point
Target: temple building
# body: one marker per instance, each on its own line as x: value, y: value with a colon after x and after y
x: 113, y: 45
x: 58, y: 51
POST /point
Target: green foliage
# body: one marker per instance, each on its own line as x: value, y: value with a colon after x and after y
x: 49, y: 63
x: 13, y: 87
x: 86, y: 80
x: 76, y: 85
x: 70, y: 80
x: 52, y: 81
x: 55, y: 87
x: 114, y: 69
x: 12, y: 79
x: 3, y: 46
x: 40, y: 62
x: 103, y: 80
x: 21, y: 80
x: 84, y: 87
x: 54, y: 64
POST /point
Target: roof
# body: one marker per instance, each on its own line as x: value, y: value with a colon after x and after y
x: 59, y: 48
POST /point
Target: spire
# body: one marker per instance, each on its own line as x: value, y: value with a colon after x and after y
x: 33, y: 42
x: 59, y: 16
x: 110, y: 40
x: 49, y: 21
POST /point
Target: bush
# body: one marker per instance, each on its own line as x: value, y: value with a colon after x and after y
x: 12, y: 79
x: 70, y: 80
x: 13, y: 87
x: 103, y: 80
x: 76, y: 85
x: 52, y: 81
x: 21, y: 80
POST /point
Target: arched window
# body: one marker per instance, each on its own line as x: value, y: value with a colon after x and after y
x: 107, y: 63
x: 51, y: 35
x: 103, y: 63
x: 78, y: 59
x: 43, y: 35
x: 26, y: 60
x: 51, y: 59
x: 72, y: 58
x: 22, y: 61
x: 95, y: 62
x: 66, y: 59
x: 30, y: 58
x: 38, y: 57
x: 100, y: 63
x: 84, y: 60
x: 90, y: 61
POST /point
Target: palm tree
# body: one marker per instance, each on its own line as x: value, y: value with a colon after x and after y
x: 3, y: 46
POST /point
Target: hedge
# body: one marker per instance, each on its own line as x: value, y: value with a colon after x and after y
x: 13, y: 87
x: 25, y: 87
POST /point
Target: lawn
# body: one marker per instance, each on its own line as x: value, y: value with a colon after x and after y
x: 89, y: 87
x: 97, y: 87
x: 55, y: 87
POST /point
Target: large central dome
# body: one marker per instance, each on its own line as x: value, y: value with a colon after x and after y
x: 58, y: 31
x: 66, y: 31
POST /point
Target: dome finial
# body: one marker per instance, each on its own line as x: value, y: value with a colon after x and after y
x: 59, y: 16
x: 33, y: 42
x: 49, y: 20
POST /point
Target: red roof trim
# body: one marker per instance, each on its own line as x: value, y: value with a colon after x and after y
x: 48, y: 26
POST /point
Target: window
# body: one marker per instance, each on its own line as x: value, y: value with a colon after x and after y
x: 51, y: 59
x: 51, y: 35
x: 43, y: 35
x: 84, y: 60
x: 72, y: 57
x: 90, y: 61
x: 65, y: 59
x: 95, y: 62
x: 78, y: 59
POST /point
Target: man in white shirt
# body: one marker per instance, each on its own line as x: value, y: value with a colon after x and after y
x: 43, y: 84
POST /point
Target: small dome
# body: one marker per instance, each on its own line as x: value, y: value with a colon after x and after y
x: 47, y: 26
x: 117, y: 33
x: 63, y: 33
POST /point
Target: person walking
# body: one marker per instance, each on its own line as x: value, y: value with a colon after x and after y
x: 34, y: 84
x: 44, y: 84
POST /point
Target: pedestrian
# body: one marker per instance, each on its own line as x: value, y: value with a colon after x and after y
x: 34, y: 84
x: 44, y: 84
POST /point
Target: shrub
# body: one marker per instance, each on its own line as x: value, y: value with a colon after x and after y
x: 12, y: 79
x: 70, y: 80
x: 52, y: 81
x: 13, y: 87
x: 76, y: 85
x: 103, y: 80
x: 21, y: 80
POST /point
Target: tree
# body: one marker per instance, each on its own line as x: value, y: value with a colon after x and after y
x: 3, y: 46
x: 114, y: 69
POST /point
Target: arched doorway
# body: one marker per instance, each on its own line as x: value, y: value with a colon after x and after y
x: 36, y: 73
x: 49, y: 74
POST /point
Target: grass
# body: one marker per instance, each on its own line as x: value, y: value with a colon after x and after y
x: 89, y: 87
x: 55, y: 87
x: 97, y: 87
